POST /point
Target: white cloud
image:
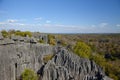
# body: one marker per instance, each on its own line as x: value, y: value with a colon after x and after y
x: 103, y: 24
x: 38, y: 18
x: 48, y: 21
x: 12, y: 20
x: 118, y: 25
x: 59, y: 28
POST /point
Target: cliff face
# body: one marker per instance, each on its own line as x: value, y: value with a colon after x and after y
x: 64, y: 65
x: 14, y: 58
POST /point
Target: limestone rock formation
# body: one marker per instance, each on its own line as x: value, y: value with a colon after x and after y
x: 64, y: 65
x: 14, y: 58
x: 67, y: 66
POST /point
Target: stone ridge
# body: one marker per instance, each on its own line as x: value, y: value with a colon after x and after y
x: 68, y: 66
x: 19, y: 53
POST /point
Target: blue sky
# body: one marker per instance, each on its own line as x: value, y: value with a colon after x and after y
x: 61, y: 16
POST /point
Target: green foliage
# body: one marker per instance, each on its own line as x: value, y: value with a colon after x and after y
x: 51, y: 39
x: 63, y: 43
x: 4, y: 33
x: 28, y: 74
x: 23, y: 34
x: 11, y: 31
x: 99, y: 59
x: 48, y: 57
x: 41, y: 41
x: 112, y: 71
x: 82, y: 50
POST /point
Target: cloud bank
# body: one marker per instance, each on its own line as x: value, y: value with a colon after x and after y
x: 48, y: 27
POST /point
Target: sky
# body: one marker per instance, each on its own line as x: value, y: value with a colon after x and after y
x: 61, y: 16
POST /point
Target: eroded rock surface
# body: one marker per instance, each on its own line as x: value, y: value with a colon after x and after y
x: 14, y: 58
x: 1, y: 37
x: 64, y: 65
x: 67, y: 66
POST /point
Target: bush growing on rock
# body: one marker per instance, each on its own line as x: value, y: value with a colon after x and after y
x: 23, y: 34
x: 28, y: 74
x: 48, y: 57
x: 99, y: 59
x: 41, y: 41
x: 51, y: 39
x: 4, y: 33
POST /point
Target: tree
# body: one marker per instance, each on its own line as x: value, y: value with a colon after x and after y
x: 4, y: 33
x: 51, y: 39
x: 82, y: 50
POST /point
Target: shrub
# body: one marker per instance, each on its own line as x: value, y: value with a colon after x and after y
x: 112, y: 71
x: 41, y: 41
x: 23, y: 34
x: 82, y: 50
x: 27, y: 33
x: 51, y: 39
x: 48, y: 57
x: 99, y: 59
x: 28, y: 74
x: 4, y: 33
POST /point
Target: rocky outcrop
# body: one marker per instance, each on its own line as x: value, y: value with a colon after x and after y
x: 14, y: 58
x: 6, y: 41
x: 67, y: 66
x: 41, y: 36
x: 64, y: 65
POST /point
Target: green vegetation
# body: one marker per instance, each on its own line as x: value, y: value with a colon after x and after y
x: 48, y: 57
x: 23, y: 34
x: 112, y: 71
x: 51, y: 39
x: 41, y: 41
x: 28, y: 74
x: 82, y: 50
x: 63, y: 43
x: 90, y: 52
x: 4, y: 33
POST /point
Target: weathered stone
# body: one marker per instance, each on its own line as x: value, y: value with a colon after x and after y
x: 15, y: 58
x: 67, y: 66
x: 64, y: 65
x: 33, y: 40
x: 41, y: 36
x: 6, y: 41
x: 1, y: 37
x: 17, y: 38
